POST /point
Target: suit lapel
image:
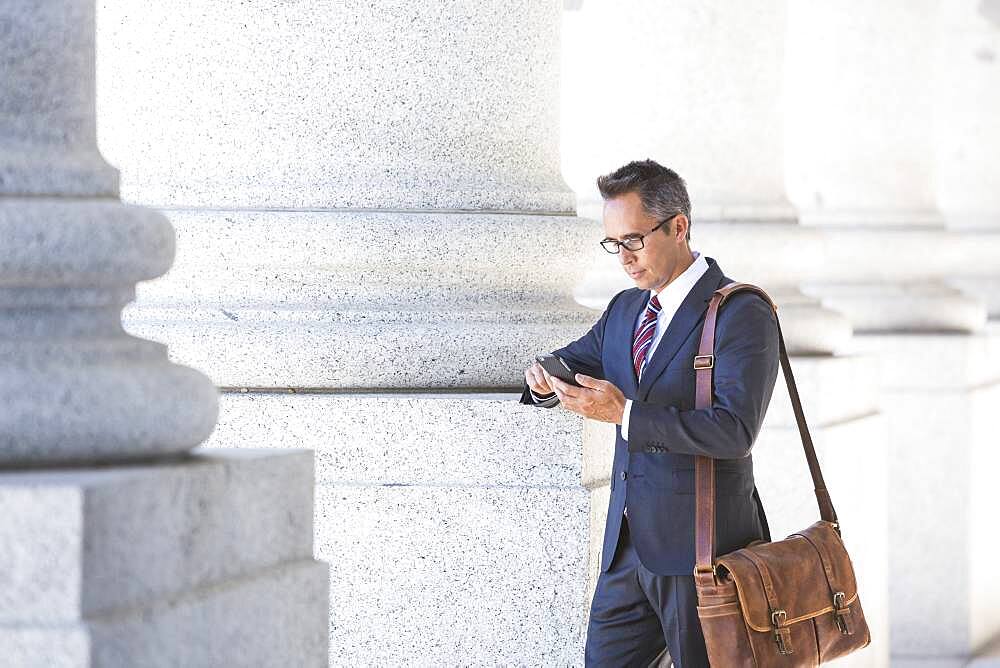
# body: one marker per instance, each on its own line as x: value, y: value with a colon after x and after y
x: 622, y: 337
x: 687, y: 318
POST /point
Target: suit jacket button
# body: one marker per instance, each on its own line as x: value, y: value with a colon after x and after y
x: 624, y: 475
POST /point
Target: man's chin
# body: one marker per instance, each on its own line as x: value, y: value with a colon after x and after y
x: 641, y: 279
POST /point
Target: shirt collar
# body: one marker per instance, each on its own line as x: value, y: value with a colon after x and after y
x: 676, y: 290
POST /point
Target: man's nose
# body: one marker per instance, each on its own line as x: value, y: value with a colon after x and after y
x: 625, y: 256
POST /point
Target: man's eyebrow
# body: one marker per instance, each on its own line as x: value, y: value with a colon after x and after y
x: 630, y: 234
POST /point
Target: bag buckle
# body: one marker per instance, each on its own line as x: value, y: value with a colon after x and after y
x: 704, y: 361
x: 842, y: 614
x: 782, y: 634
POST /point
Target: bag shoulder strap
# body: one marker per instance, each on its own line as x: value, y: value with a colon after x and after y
x: 705, y: 466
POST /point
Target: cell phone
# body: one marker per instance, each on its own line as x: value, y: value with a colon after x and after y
x: 556, y: 366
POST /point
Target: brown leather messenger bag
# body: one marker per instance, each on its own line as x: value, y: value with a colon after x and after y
x: 781, y: 604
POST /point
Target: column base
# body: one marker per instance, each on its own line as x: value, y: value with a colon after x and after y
x: 939, y: 397
x: 920, y: 307
x: 273, y: 618
x: 203, y: 561
x: 456, y: 525
x: 366, y: 300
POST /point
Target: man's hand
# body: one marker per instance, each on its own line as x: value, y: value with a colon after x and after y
x: 536, y: 378
x: 597, y: 399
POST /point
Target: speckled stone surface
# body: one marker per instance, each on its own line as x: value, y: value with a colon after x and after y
x: 367, y: 300
x: 47, y: 130
x: 202, y: 561
x: 355, y: 104
x: 73, y: 386
x: 58, y: 242
x: 414, y: 439
x: 471, y: 576
x: 598, y: 458
x: 150, y: 531
x: 69, y: 402
x: 456, y: 526
x: 274, y: 618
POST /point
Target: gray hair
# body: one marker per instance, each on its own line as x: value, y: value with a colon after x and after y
x: 661, y: 190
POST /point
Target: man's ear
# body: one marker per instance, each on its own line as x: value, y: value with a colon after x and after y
x: 680, y: 226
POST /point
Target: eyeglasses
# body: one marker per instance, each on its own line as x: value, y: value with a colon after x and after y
x: 632, y: 242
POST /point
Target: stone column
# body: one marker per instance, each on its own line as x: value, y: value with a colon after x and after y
x: 175, y: 557
x: 867, y: 165
x: 699, y: 87
x: 75, y: 386
x: 356, y: 181
x: 711, y: 113
x: 967, y: 97
x: 967, y: 131
x: 374, y: 242
x: 860, y: 151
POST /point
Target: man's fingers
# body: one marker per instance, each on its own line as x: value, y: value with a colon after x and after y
x: 536, y: 379
x: 590, y: 382
x: 533, y: 383
x: 565, y: 389
x: 558, y: 387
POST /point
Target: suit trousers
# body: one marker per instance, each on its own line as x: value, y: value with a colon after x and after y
x: 636, y: 613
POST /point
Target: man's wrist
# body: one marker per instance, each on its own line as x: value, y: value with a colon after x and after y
x: 543, y: 398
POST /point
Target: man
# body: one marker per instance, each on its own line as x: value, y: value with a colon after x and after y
x: 635, y: 366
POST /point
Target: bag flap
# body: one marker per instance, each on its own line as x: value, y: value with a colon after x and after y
x: 803, y: 587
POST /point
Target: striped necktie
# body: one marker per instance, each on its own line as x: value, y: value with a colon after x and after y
x: 644, y: 335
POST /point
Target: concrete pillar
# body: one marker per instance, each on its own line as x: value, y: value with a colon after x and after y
x: 175, y: 558
x: 867, y: 165
x: 860, y: 151
x: 374, y: 241
x: 939, y: 394
x: 967, y: 132
x: 715, y: 120
x: 410, y: 198
x: 75, y: 386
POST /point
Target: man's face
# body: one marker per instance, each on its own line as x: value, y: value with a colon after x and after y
x: 662, y: 257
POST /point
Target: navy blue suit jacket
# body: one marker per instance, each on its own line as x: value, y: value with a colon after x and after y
x: 654, y: 470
